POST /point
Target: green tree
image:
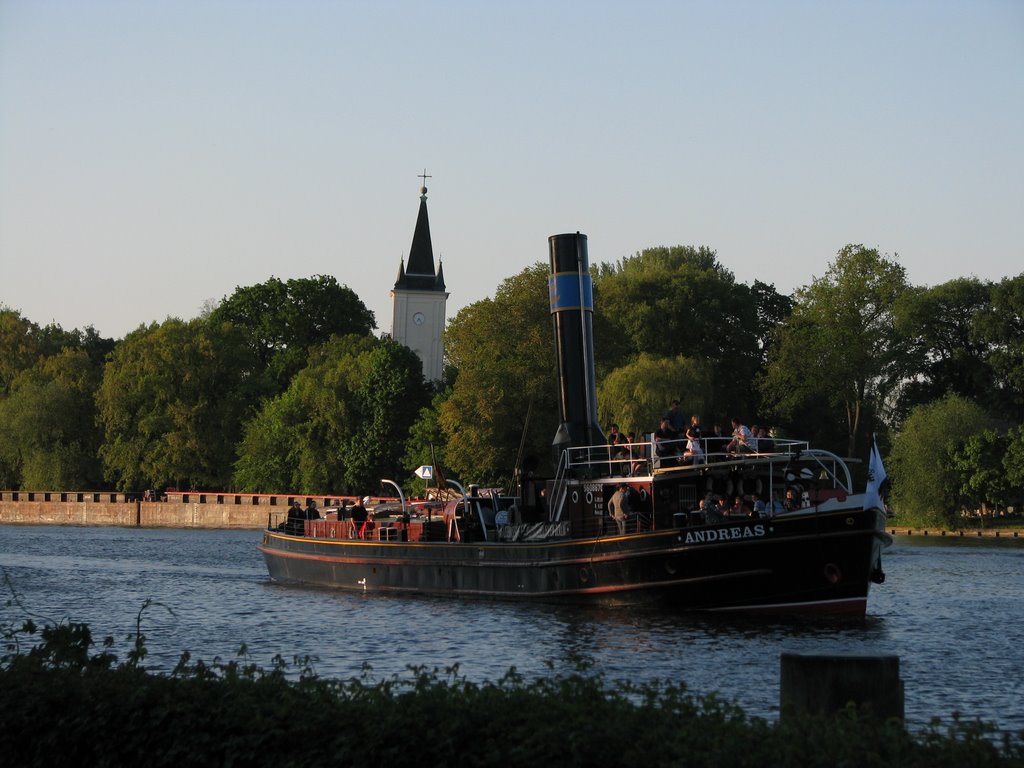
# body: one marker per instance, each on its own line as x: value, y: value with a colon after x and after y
x: 636, y: 395
x: 773, y: 309
x: 19, y: 346
x: 171, y: 402
x: 667, y: 302
x: 427, y: 443
x: 937, y: 326
x: 1000, y: 328
x: 926, y: 485
x: 840, y: 345
x: 283, y: 321
x: 978, y: 461
x: 342, y: 423
x: 48, y: 427
x: 503, y: 349
x: 273, y: 447
x: 390, y: 395
x: 1013, y: 461
x: 47, y: 444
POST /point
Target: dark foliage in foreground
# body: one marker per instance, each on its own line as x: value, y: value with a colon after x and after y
x: 64, y: 703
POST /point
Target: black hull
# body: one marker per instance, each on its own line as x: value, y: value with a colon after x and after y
x: 818, y: 563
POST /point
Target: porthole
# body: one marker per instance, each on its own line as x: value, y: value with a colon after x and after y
x: 832, y: 573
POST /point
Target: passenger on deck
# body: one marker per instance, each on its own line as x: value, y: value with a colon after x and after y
x: 359, y: 518
x: 792, y: 502
x: 312, y: 513
x: 294, y: 524
x: 741, y: 438
x: 760, y: 508
x: 676, y: 420
x: 663, y: 437
x: 712, y: 509
x: 619, y: 453
x: 618, y: 507
x: 753, y: 442
x: 694, y: 450
x: 613, y: 434
x: 636, y: 453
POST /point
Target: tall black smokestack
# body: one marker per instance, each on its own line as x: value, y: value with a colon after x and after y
x: 572, y: 309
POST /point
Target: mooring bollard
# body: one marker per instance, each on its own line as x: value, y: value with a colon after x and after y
x: 824, y: 684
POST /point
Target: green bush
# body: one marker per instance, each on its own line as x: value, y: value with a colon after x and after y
x: 925, y: 481
x: 65, y: 704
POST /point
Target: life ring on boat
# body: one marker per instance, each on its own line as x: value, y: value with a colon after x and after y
x: 334, y: 531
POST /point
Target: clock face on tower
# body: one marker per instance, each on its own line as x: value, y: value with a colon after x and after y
x: 418, y: 318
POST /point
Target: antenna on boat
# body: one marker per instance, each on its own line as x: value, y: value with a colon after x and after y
x: 522, y: 446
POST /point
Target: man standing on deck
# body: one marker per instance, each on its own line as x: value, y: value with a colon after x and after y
x: 618, y: 507
x: 676, y: 420
x: 312, y: 513
x: 359, y: 518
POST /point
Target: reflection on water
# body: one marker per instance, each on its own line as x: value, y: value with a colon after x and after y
x: 951, y: 610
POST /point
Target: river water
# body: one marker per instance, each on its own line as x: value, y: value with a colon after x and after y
x: 952, y: 610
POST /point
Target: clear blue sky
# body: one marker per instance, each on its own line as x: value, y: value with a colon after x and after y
x: 155, y: 155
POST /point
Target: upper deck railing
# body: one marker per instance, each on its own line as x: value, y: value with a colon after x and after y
x: 644, y: 458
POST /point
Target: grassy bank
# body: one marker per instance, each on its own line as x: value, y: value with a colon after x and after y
x: 68, y: 701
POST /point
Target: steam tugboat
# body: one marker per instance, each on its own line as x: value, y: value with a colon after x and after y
x: 555, y: 540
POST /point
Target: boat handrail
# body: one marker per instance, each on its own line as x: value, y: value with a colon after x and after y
x: 609, y: 459
x: 820, y: 456
x: 401, y: 496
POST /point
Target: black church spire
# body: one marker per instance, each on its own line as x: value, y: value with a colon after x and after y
x: 419, y: 275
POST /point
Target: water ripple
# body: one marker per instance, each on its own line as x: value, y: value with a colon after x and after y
x: 951, y: 611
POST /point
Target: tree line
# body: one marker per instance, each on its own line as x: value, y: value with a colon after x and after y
x: 285, y: 386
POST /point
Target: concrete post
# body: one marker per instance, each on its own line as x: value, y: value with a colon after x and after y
x: 812, y: 684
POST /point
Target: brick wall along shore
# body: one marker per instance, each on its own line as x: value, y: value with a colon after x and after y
x: 232, y: 510
x: 177, y: 510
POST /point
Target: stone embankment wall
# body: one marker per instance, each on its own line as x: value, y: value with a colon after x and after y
x: 996, y: 533
x: 175, y: 510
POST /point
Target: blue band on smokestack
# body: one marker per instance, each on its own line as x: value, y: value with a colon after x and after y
x: 564, y: 292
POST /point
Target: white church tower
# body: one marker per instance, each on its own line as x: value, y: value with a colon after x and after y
x: 419, y: 298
